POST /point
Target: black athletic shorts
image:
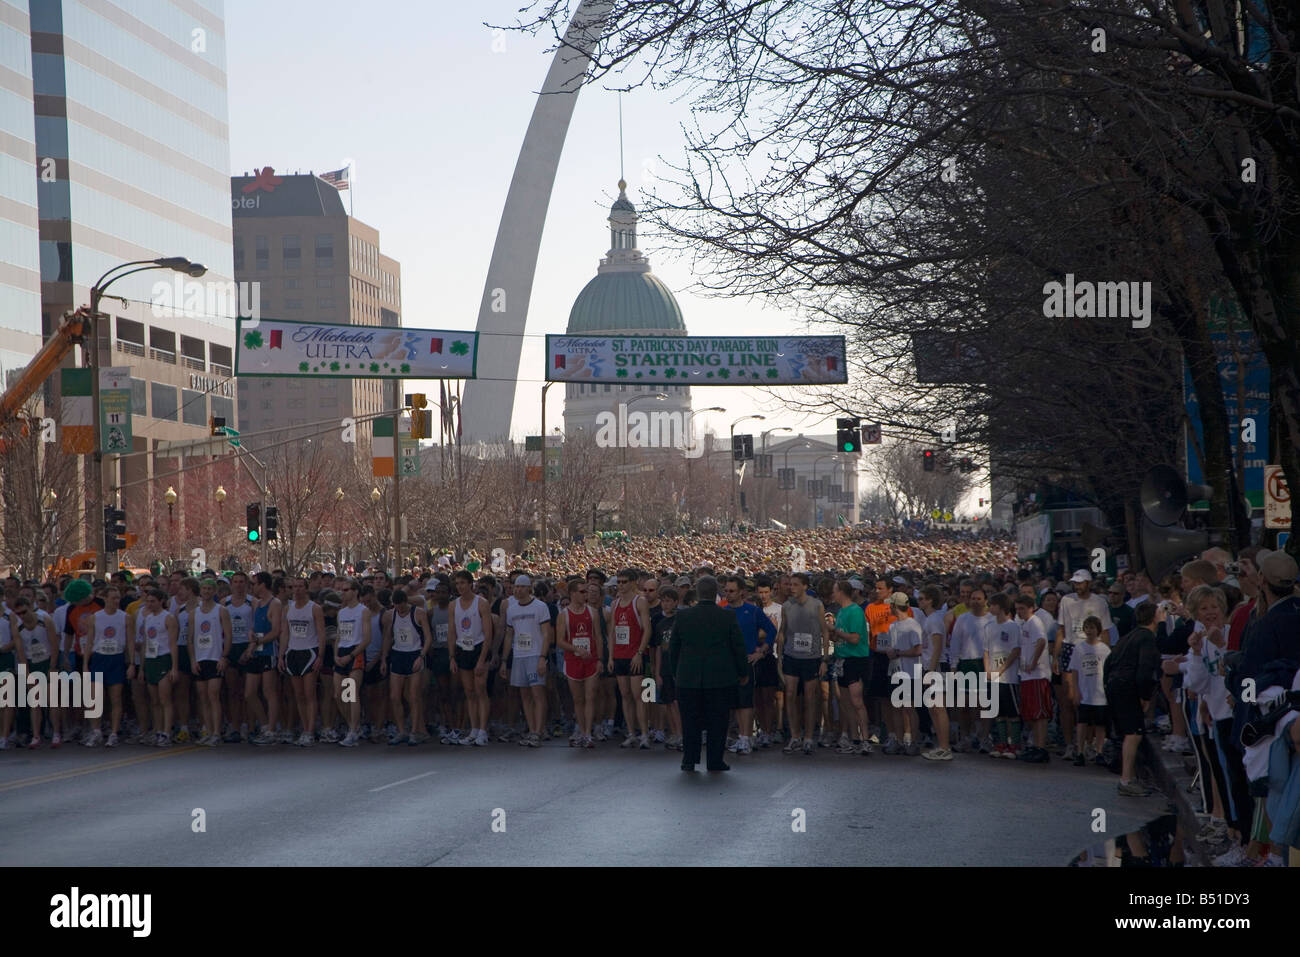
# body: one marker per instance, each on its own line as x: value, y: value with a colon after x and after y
x: 765, y: 673
x: 237, y: 652
x: 877, y: 683
x: 355, y: 657
x: 1094, y: 714
x: 207, y: 671
x: 854, y: 669
x: 805, y: 669
x: 467, y: 660
x: 1125, y: 709
x: 259, y: 664
x: 622, y: 667
x: 372, y: 675
x: 745, y: 692
x: 402, y: 663
x: 298, y: 663
x: 1008, y: 700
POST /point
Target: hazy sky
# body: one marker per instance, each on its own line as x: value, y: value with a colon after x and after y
x: 432, y: 118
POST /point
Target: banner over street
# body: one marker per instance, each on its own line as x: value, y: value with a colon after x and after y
x: 276, y: 347
x: 697, y: 360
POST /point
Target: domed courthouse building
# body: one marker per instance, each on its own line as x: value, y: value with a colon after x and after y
x: 623, y: 299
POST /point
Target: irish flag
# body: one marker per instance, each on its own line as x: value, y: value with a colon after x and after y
x: 77, y: 413
x: 381, y: 448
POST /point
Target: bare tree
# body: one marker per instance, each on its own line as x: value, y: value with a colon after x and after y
x: 41, y: 498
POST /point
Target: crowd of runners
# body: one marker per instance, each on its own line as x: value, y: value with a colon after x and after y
x: 844, y: 661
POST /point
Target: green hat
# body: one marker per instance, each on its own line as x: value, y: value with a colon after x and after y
x: 78, y: 590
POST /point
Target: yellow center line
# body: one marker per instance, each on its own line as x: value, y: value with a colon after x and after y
x: 78, y: 772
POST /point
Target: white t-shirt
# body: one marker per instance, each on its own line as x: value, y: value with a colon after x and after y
x: 527, y: 621
x: 931, y: 626
x: 1031, y: 631
x: 1075, y: 610
x: 1087, y: 662
x: 970, y: 635
x: 773, y: 612
x: 904, y: 635
x: 1000, y: 641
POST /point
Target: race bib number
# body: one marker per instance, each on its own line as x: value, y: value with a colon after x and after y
x: 205, y: 639
x: 345, y: 632
x: 297, y: 629
x: 803, y: 643
x: 524, y: 644
x: 405, y: 638
x: 582, y: 644
x: 622, y: 635
x: 1089, y: 667
x: 238, y: 629
x: 1076, y: 632
x: 108, y: 646
x: 151, y: 647
x: 465, y: 643
x: 998, y: 660
x: 38, y: 650
x: 440, y: 635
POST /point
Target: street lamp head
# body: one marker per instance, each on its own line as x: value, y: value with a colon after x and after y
x: 197, y: 269
x: 169, y: 496
x: 220, y: 494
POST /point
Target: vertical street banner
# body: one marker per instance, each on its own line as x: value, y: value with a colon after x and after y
x: 381, y: 448
x: 115, y: 410
x: 409, y: 450
x: 76, y: 413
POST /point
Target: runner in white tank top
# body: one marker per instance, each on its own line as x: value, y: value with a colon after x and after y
x: 301, y: 657
x: 350, y: 659
x: 472, y: 626
x: 109, y: 633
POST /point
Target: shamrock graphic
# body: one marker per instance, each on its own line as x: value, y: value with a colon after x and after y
x: 303, y: 366
x: 621, y: 373
x: 374, y: 367
x: 670, y: 373
x: 638, y: 375
x: 724, y: 373
x: 406, y: 367
x: 334, y: 367
x: 773, y: 374
x: 252, y: 340
x: 459, y: 348
x: 709, y: 376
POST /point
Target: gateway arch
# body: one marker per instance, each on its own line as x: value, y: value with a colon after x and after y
x: 489, y: 400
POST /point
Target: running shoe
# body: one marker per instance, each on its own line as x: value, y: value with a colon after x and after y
x: 912, y: 750
x: 112, y: 741
x: 534, y: 740
x: 1132, y: 789
x: 629, y: 742
x: 1235, y: 857
x: 938, y: 754
x: 645, y: 743
x: 793, y: 745
x: 412, y: 741
x: 183, y: 736
x: 809, y: 747
x: 306, y: 740
x: 232, y: 737
x: 844, y: 742
x: 264, y: 738
x: 587, y: 742
x: 57, y: 740
x: 35, y: 743
x: 847, y: 747
x: 892, y: 746
x: 865, y: 748
x: 349, y: 740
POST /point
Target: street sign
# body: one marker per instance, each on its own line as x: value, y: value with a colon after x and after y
x: 410, y: 454
x: 232, y: 435
x: 1277, y: 498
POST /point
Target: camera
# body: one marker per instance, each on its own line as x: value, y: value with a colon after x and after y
x: 1233, y: 568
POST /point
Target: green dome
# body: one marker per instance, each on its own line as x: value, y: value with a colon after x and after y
x: 625, y: 301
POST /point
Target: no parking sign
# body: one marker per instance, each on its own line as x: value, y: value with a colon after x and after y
x: 1277, y: 498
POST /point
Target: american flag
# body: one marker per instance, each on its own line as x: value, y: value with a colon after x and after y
x: 337, y: 178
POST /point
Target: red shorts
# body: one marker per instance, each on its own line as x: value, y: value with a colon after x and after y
x: 579, y: 669
x: 1035, y: 699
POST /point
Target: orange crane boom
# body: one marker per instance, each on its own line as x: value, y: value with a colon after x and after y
x: 42, y: 366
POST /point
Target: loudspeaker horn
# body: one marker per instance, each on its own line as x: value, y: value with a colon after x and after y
x: 1164, y: 549
x: 1163, y: 496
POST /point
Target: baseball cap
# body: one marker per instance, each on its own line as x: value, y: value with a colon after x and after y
x: 1082, y: 575
x: 331, y: 597
x: 856, y: 583
x: 432, y: 584
x: 900, y: 580
x: 899, y: 600
x: 1062, y: 587
x: 1278, y: 568
x: 683, y: 582
x: 524, y: 580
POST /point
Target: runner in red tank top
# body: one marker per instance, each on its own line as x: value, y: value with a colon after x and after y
x: 576, y: 637
x: 629, y: 629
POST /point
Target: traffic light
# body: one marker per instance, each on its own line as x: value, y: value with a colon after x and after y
x: 216, y: 425
x: 272, y: 522
x: 848, y: 435
x: 927, y: 460
x: 742, y: 447
x: 416, y: 400
x: 749, y: 447
x: 965, y: 464
x: 114, y: 529
x: 253, y: 519
x: 871, y: 434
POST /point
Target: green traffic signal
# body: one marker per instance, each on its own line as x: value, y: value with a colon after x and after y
x: 253, y: 535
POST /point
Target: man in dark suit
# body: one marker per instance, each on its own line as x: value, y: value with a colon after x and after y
x: 707, y: 657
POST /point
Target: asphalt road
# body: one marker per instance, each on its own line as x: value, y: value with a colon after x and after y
x: 506, y: 805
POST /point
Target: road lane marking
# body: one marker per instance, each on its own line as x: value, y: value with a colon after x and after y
x: 78, y: 772
x: 403, y: 781
x: 786, y: 788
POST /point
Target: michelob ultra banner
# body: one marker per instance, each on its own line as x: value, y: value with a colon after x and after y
x: 697, y: 360
x: 275, y: 347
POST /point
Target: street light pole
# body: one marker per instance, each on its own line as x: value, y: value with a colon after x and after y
x: 763, y: 439
x: 543, y: 494
x: 814, y: 478
x: 731, y: 451
x: 95, y: 360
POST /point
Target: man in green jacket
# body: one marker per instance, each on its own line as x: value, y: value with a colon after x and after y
x: 707, y: 657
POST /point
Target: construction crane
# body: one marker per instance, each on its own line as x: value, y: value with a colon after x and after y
x: 71, y: 333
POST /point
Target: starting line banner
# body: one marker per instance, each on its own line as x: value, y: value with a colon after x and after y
x: 276, y: 347
x: 697, y: 360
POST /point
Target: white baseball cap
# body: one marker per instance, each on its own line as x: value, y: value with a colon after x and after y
x: 524, y: 580
x: 1082, y: 575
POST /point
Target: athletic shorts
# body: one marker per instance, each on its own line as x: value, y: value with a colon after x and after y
x: 112, y: 667
x: 237, y: 652
x: 805, y: 669
x: 745, y: 692
x: 439, y: 662
x: 207, y: 671
x: 156, y: 669
x: 8, y: 662
x: 402, y: 662
x: 666, y: 691
x: 765, y: 672
x: 327, y: 661
x: 1125, y: 710
x: 298, y: 663
x: 910, y: 678
x: 183, y: 659
x: 354, y: 663
x: 259, y: 664
x: 1094, y: 714
x: 1035, y: 699
x: 622, y: 667
x: 579, y: 669
x: 371, y: 676
x: 1008, y: 700
x: 853, y: 670
x: 467, y: 660
x: 970, y: 666
x: 41, y: 667
x: 523, y: 672
x: 1067, y: 652
x: 877, y: 685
